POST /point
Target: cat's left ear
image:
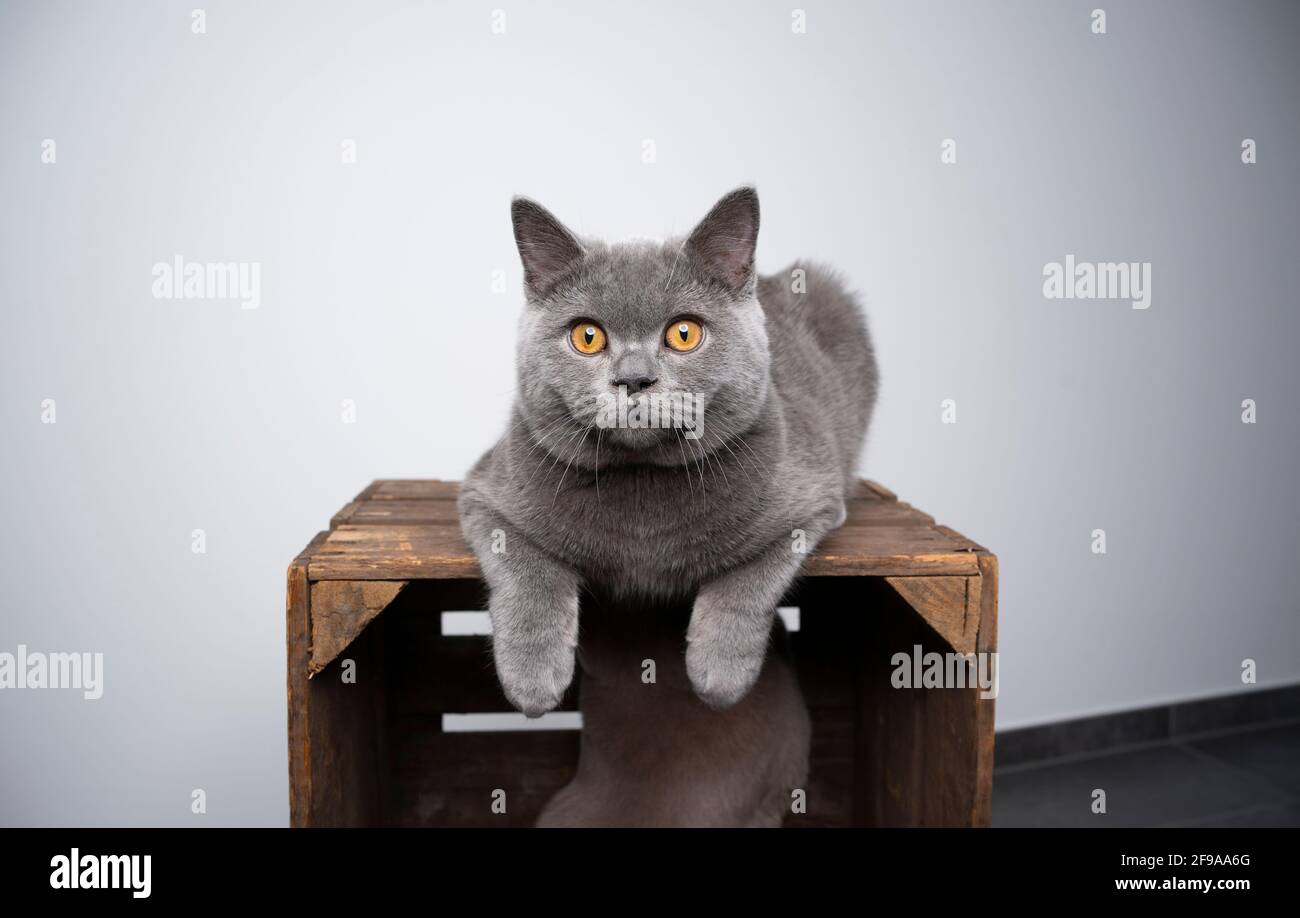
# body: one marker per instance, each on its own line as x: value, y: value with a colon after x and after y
x: 723, y: 243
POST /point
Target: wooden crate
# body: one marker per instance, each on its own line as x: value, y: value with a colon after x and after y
x: 367, y: 595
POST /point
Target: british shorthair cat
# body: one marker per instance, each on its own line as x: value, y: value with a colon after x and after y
x: 683, y: 432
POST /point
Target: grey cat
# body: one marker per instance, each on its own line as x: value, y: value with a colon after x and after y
x: 710, y: 508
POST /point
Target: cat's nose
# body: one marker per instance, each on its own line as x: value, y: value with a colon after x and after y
x: 635, y: 382
x: 636, y: 370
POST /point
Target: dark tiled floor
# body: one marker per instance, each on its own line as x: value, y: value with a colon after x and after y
x: 1243, y: 778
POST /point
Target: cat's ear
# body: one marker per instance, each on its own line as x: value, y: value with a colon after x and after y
x: 723, y: 244
x: 546, y: 246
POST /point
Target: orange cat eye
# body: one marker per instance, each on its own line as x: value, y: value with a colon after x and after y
x: 588, y: 338
x: 683, y: 334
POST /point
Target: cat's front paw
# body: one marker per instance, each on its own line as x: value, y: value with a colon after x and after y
x: 721, y: 667
x: 534, y: 677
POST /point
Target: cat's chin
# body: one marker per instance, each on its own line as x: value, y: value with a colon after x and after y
x: 636, y: 440
x: 662, y: 447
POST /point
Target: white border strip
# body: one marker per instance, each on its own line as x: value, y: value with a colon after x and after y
x: 470, y: 624
x: 510, y: 722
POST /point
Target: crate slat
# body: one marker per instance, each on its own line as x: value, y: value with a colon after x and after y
x: 405, y: 529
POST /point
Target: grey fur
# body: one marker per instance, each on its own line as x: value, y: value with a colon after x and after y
x: 648, y: 515
x: 653, y: 755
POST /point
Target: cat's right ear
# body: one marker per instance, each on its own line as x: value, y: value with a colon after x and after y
x: 723, y: 243
x: 546, y: 246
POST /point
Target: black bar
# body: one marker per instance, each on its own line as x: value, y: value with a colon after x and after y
x: 331, y: 868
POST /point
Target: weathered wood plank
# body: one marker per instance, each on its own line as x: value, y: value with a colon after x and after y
x: 398, y: 552
x: 345, y: 513
x: 986, y: 642
x: 960, y: 539
x: 915, y: 746
x: 298, y: 651
x: 414, y: 489
x: 349, y: 739
x: 841, y: 560
x: 879, y: 490
x: 943, y: 603
x: 430, y: 512
x: 340, y: 610
x: 410, y: 551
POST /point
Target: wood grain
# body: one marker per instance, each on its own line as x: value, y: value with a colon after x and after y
x: 298, y: 647
x: 986, y: 642
x: 943, y: 603
x: 340, y: 610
